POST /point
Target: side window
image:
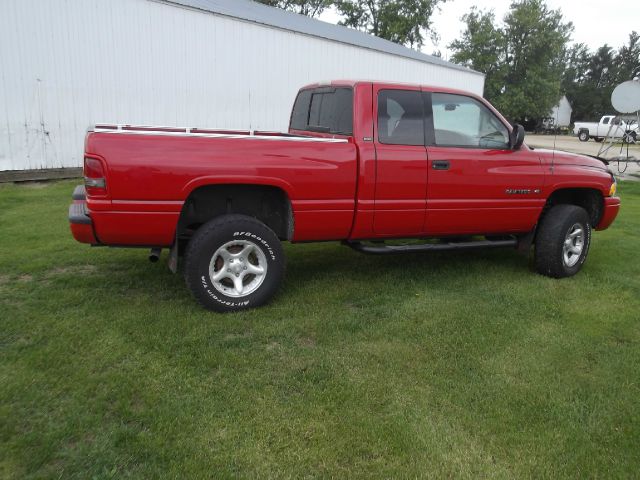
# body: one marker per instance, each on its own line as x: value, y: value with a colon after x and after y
x: 605, y: 121
x: 300, y: 113
x: 460, y: 121
x: 324, y: 109
x: 400, y: 117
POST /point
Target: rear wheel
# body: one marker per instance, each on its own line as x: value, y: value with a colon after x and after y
x: 562, y: 241
x: 583, y: 136
x: 234, y: 262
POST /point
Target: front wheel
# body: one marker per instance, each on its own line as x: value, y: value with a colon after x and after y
x: 234, y: 262
x: 562, y: 241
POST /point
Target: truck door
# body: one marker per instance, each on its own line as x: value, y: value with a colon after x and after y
x: 477, y: 184
x: 603, y: 127
x: 401, y: 161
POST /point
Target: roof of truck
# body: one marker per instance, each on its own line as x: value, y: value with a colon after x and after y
x: 388, y: 84
x: 258, y: 13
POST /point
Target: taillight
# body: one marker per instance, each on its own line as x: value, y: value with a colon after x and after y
x: 94, y: 177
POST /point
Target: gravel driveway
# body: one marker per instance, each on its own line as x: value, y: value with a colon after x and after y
x: 623, y: 170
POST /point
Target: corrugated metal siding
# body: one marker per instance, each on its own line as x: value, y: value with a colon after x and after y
x: 68, y: 64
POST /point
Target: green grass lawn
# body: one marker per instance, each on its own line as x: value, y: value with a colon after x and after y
x: 432, y: 365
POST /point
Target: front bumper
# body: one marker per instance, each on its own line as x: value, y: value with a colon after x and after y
x: 80, y: 219
x: 611, y: 209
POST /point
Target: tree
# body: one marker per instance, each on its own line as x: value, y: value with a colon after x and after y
x: 590, y: 77
x: 310, y: 8
x: 576, y: 62
x: 600, y: 82
x: 482, y: 48
x: 589, y: 81
x: 574, y: 79
x: 402, y: 21
x: 535, y: 40
x: 628, y: 59
x: 523, y: 58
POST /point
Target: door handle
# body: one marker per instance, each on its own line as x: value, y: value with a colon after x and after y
x: 440, y: 164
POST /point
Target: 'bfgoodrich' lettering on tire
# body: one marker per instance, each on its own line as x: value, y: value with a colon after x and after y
x: 256, y: 237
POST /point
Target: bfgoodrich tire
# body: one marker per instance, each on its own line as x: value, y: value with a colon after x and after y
x: 562, y: 241
x: 234, y: 262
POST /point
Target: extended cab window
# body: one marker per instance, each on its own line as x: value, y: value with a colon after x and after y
x: 400, y: 117
x: 325, y: 109
x: 460, y: 121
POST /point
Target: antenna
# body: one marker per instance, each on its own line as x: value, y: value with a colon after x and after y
x: 555, y: 134
x: 555, y: 130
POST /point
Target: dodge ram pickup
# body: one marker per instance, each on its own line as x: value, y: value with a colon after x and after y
x: 362, y: 163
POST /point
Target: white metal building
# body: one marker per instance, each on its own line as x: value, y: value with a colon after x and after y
x: 561, y: 113
x: 68, y: 64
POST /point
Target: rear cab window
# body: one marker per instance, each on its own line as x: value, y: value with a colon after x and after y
x: 324, y: 110
x: 400, y: 117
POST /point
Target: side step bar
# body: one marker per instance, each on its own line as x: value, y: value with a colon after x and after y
x: 431, y: 247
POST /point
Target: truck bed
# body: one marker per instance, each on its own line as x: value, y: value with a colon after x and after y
x: 153, y: 170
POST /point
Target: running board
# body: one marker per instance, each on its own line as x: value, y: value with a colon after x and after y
x: 431, y: 247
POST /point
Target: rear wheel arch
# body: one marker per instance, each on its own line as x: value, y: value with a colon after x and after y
x: 266, y: 203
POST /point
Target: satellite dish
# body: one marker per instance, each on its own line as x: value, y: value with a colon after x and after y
x: 626, y: 97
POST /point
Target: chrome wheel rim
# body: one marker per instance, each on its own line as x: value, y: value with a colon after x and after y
x: 573, y: 245
x: 238, y: 268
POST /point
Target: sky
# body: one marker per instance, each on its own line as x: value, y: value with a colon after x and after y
x: 595, y: 22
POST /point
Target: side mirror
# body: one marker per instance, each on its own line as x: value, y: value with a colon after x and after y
x: 516, y: 137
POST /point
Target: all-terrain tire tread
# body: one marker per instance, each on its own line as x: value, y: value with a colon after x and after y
x: 550, y: 236
x: 202, y: 236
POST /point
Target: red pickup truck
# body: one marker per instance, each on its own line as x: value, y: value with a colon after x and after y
x: 363, y: 162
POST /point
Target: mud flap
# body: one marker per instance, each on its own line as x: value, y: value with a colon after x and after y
x: 173, y: 257
x: 526, y: 241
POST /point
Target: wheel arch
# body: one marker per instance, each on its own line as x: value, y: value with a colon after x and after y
x: 591, y: 199
x: 268, y: 203
x: 582, y: 130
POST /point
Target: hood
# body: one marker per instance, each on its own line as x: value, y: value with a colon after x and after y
x: 575, y: 159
